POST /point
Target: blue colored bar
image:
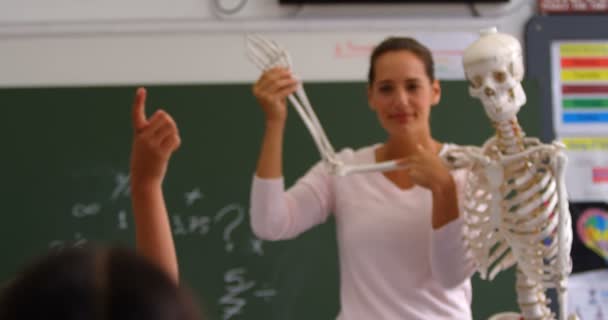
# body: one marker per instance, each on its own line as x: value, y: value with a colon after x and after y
x: 573, y: 117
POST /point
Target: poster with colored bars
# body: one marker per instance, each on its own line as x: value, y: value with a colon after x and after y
x: 580, y: 115
x: 580, y: 88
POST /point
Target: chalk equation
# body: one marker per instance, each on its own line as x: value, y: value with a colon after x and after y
x: 229, y: 218
x: 237, y: 289
x: 112, y: 209
x: 77, y: 241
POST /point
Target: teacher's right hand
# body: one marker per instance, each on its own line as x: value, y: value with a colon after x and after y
x: 271, y: 91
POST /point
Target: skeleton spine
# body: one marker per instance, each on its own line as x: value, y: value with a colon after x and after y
x: 531, y: 298
x: 530, y: 292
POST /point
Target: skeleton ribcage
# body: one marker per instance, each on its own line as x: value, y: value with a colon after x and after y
x: 525, y: 229
x: 530, y: 218
x: 486, y: 244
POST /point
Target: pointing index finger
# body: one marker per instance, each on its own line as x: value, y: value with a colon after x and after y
x: 138, y: 111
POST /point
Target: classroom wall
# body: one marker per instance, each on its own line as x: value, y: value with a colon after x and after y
x: 75, y: 43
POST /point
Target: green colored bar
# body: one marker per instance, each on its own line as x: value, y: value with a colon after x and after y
x: 585, y: 103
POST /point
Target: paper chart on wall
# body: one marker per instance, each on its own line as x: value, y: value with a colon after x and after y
x: 587, y: 168
x: 580, y: 88
x: 588, y: 295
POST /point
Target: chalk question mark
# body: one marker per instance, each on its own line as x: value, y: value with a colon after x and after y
x: 232, y: 225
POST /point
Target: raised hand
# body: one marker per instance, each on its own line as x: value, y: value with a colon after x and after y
x: 271, y: 91
x: 154, y: 140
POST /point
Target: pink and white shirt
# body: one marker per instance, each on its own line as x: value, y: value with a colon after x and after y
x: 393, y: 265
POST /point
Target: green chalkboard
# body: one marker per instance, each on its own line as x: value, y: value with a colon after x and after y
x: 65, y: 156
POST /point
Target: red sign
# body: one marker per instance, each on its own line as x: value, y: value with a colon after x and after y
x: 573, y: 6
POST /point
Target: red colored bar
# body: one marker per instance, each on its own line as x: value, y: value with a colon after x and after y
x: 584, y: 62
x: 585, y: 89
x: 600, y: 174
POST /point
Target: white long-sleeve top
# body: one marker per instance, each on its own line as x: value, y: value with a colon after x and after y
x: 393, y: 265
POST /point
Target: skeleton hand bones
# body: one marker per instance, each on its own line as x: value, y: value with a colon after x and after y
x: 266, y: 54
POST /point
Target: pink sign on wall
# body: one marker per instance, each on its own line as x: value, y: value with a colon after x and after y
x: 573, y: 6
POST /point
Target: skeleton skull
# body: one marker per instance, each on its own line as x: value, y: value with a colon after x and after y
x: 494, y: 67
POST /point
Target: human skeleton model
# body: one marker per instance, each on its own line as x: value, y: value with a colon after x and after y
x: 515, y: 207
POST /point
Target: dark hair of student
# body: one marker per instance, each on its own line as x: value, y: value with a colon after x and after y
x: 95, y: 284
x: 401, y: 43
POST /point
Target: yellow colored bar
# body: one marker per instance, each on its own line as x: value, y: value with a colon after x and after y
x: 583, y: 49
x: 585, y: 75
x: 586, y: 143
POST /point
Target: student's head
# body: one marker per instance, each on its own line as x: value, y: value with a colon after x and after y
x: 402, y: 85
x: 96, y: 284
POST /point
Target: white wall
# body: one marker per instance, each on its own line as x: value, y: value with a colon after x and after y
x: 75, y: 42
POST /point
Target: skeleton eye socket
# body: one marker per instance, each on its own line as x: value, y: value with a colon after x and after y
x: 476, y: 81
x: 499, y: 76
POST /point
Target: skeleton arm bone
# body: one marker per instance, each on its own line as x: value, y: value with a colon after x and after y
x: 346, y: 169
x: 317, y: 133
x: 539, y: 149
x: 465, y: 157
x: 266, y: 54
x: 312, y: 122
x: 328, y: 154
x: 336, y: 166
x: 324, y: 141
x: 564, y: 233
